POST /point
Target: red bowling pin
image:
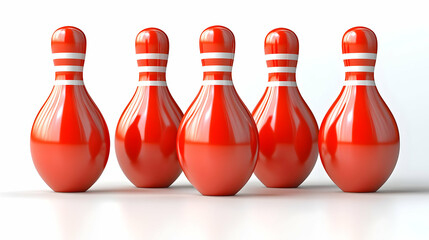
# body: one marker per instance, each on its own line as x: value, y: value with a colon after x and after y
x: 217, y: 140
x: 287, y: 128
x: 69, y: 139
x: 147, y: 130
x: 359, y: 138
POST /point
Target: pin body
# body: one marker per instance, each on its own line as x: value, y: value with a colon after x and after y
x: 287, y: 128
x: 359, y: 138
x: 217, y: 140
x: 147, y: 130
x: 69, y: 139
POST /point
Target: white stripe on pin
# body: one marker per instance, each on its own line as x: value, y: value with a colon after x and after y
x: 68, y: 68
x: 281, y: 56
x: 281, y: 69
x: 152, y: 69
x: 217, y: 68
x: 371, y: 56
x: 152, y: 83
x: 217, y: 82
x: 282, y: 84
x: 217, y: 55
x: 359, y: 83
x: 359, y: 69
x: 143, y: 56
x: 68, y: 82
x: 65, y: 55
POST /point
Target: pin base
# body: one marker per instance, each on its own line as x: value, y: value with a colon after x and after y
x: 282, y: 186
x: 71, y: 191
x: 359, y: 191
x: 219, y: 195
x: 153, y: 186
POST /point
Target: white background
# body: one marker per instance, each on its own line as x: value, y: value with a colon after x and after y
x: 114, y: 209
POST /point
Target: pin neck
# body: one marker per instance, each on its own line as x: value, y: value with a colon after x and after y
x: 68, y: 76
x: 359, y: 65
x: 359, y: 76
x: 217, y: 66
x: 68, y: 65
x: 152, y: 66
x: 217, y: 76
x: 152, y: 76
x: 281, y: 77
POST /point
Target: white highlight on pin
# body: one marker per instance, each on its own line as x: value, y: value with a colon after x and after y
x: 217, y: 82
x: 281, y: 56
x: 217, y: 55
x: 217, y: 68
x: 281, y: 84
x: 370, y: 56
x: 359, y: 83
x: 281, y: 69
x: 144, y: 56
x: 359, y: 69
x: 68, y: 68
x: 152, y: 69
x: 152, y: 83
x: 70, y: 55
x: 68, y: 82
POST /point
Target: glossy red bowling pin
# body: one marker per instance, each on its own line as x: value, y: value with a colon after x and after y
x: 69, y: 139
x: 287, y: 128
x: 217, y: 140
x: 147, y: 130
x: 359, y: 138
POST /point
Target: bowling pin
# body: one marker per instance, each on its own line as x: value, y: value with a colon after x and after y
x: 69, y: 139
x: 287, y: 128
x: 147, y: 130
x: 217, y: 140
x: 359, y: 138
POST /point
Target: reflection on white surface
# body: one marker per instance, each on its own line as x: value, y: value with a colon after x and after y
x: 180, y: 212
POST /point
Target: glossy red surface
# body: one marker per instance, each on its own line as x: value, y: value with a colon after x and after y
x: 359, y: 138
x: 147, y: 130
x: 217, y: 140
x: 287, y: 128
x: 69, y: 139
